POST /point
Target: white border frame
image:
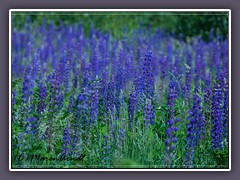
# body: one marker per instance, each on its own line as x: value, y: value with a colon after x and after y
x: 118, y: 10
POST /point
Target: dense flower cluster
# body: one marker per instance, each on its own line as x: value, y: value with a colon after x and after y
x: 150, y: 98
x: 195, y: 129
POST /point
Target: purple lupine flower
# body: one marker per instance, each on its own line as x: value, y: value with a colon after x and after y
x: 60, y: 100
x: 226, y: 112
x: 171, y: 140
x: 122, y: 134
x: 188, y: 80
x: 43, y: 57
x: 28, y: 50
x: 87, y: 77
x: 76, y: 149
x: 94, y: 103
x: 203, y: 71
x: 64, y: 69
x: 121, y: 137
x: 55, y: 104
x: 211, y: 34
x: 121, y: 59
x: 208, y: 92
x: 75, y: 141
x: 130, y: 65
x: 83, y: 99
x: 70, y: 104
x: 53, y: 57
x: 119, y: 85
x: 224, y: 85
x: 172, y: 96
x: 131, y: 107
x: 148, y: 76
x: 191, y: 141
x: 177, y: 68
x: 110, y: 98
x: 217, y: 115
x: 113, y: 57
x: 27, y: 85
x: 198, y: 65
x: 139, y: 55
x: 155, y: 65
x: 66, y: 142
x: 149, y: 113
x: 41, y: 97
x: 139, y: 87
x: 164, y: 66
x: 104, y: 81
x: 17, y: 67
x: 75, y: 81
x: 202, y: 61
x: 68, y: 67
x: 106, y: 147
x: 198, y: 114
x: 21, y: 143
x: 36, y: 66
x: 195, y: 129
x: 103, y: 50
x: 84, y: 71
x: 22, y: 40
x: 56, y: 97
x: 95, y: 62
x: 31, y: 125
x: 215, y: 57
x: 225, y: 51
x: 14, y: 94
x: 169, y: 51
x: 171, y: 130
x: 104, y: 144
x: 79, y: 122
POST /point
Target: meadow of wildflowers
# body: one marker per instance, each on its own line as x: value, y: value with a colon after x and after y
x: 149, y: 100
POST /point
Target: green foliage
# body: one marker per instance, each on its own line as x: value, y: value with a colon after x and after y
x: 121, y: 24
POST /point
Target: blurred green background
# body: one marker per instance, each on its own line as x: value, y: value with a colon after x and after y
x: 188, y: 24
